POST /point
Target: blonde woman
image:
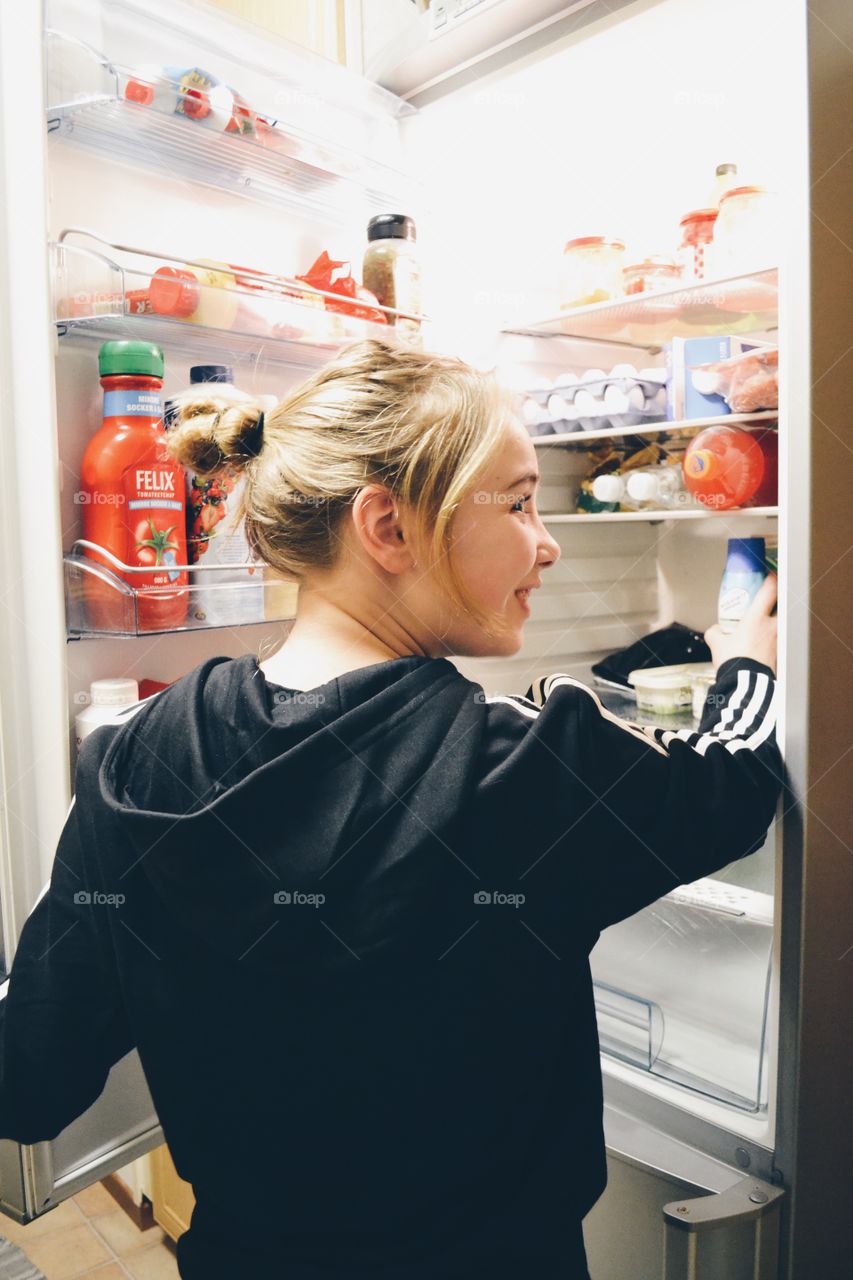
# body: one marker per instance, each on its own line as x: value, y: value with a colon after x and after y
x: 358, y: 896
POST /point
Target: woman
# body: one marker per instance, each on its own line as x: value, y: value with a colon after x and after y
x: 358, y: 896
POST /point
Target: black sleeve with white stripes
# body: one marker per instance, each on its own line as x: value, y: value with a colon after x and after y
x: 637, y: 811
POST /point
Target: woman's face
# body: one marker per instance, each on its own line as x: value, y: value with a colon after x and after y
x: 500, y: 547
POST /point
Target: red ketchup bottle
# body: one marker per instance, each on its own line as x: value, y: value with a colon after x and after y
x: 725, y: 467
x: 133, y: 498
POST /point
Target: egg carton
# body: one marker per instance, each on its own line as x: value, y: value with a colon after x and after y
x: 615, y: 401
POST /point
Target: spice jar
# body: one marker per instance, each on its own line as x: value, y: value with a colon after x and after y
x: 653, y: 273
x: 745, y: 236
x: 697, y: 231
x: 391, y: 269
x: 592, y: 271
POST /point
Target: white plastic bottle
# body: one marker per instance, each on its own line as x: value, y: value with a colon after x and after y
x: 106, y: 698
x: 660, y: 488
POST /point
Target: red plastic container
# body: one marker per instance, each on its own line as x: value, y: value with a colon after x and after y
x: 133, y: 495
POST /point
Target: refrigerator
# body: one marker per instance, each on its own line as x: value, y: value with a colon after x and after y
x: 723, y: 1013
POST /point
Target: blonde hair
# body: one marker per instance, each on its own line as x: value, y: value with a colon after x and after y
x: 422, y: 425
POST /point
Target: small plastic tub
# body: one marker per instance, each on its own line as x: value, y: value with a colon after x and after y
x: 667, y: 691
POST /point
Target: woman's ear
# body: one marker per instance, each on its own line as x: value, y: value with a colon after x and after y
x: 376, y: 517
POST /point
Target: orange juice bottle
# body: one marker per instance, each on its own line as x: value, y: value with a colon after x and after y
x: 133, y: 496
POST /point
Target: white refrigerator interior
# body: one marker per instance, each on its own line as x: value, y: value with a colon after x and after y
x: 610, y: 128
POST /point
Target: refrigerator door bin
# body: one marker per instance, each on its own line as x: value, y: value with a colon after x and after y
x: 629, y: 1027
x: 101, y: 603
x: 292, y: 146
x: 145, y: 293
x: 701, y: 958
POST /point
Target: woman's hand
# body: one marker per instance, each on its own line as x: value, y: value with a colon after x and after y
x: 755, y: 634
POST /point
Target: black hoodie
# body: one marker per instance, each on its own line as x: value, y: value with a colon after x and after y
x: 348, y: 931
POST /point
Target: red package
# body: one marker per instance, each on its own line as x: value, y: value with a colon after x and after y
x: 320, y: 276
x: 747, y: 382
x: 147, y: 687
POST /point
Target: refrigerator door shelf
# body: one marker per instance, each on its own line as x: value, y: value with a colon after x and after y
x: 101, y: 603
x: 738, y: 304
x: 275, y: 159
x: 106, y: 293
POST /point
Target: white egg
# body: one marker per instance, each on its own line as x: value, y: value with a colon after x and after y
x: 623, y: 371
x: 540, y: 384
x: 653, y: 375
x: 585, y: 403
x: 593, y: 375
x: 616, y: 399
x: 636, y: 399
x: 557, y: 408
x: 567, y: 379
x: 531, y: 412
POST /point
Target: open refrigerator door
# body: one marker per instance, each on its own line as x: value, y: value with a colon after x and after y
x: 588, y: 153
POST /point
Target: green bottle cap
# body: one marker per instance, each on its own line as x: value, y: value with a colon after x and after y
x: 143, y: 358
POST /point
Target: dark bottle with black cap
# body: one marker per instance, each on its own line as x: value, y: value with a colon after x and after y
x: 215, y: 534
x: 391, y: 269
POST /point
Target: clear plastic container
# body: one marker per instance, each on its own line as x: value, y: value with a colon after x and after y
x: 745, y: 233
x: 651, y: 274
x: 592, y: 271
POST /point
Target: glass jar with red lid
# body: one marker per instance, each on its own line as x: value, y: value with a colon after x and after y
x: 592, y: 271
x: 746, y: 231
x: 697, y: 231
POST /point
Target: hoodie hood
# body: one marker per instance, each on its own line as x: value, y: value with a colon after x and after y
x: 315, y: 824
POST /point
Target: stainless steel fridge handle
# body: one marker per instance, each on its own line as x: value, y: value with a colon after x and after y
x: 687, y: 1221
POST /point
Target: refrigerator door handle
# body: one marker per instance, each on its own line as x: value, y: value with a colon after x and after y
x: 751, y: 1206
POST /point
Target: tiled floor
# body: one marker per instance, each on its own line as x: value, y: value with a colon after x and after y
x: 90, y: 1236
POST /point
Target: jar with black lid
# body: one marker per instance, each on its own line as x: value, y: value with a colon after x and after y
x: 391, y: 269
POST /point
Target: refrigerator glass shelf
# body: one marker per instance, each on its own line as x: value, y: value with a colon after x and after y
x: 280, y: 161
x: 612, y: 517
x: 681, y: 429
x: 105, y: 293
x: 100, y: 603
x: 736, y: 304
